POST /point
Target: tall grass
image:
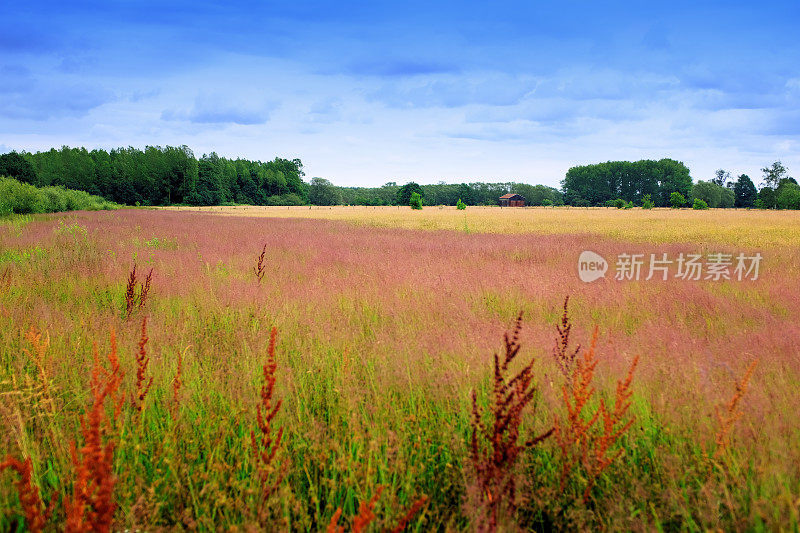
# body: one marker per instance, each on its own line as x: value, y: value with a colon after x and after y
x: 384, y: 336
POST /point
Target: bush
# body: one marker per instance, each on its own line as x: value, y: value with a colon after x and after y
x: 460, y: 205
x: 699, y: 204
x: 647, y: 202
x: 415, y: 201
x: 619, y: 203
x: 547, y: 202
x: 24, y: 199
x: 627, y: 205
x: 677, y: 200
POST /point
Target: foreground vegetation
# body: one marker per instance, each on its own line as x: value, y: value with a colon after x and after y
x: 378, y: 392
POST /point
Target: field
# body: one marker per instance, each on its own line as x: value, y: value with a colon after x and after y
x: 387, y: 321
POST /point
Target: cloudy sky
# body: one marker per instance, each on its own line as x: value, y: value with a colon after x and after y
x: 366, y: 92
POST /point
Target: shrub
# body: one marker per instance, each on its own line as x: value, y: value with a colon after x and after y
x: 24, y: 199
x: 547, y: 202
x: 647, y: 202
x: 699, y: 204
x: 677, y: 200
x: 460, y: 205
x: 415, y: 201
x: 628, y: 205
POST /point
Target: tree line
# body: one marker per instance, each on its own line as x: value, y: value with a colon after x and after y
x: 161, y: 176
x: 174, y: 176
x: 323, y: 192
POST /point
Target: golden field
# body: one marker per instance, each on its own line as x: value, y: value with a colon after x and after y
x: 750, y: 228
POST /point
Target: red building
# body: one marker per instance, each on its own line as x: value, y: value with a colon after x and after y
x: 512, y: 200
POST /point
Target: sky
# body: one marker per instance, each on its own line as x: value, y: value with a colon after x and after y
x: 366, y: 92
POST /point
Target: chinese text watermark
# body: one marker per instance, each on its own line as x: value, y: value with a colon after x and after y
x: 663, y: 266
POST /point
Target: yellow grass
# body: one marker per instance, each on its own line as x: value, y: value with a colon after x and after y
x: 743, y: 228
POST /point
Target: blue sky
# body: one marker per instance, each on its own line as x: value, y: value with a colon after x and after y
x: 367, y: 92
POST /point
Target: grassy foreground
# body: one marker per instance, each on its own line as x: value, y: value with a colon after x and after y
x: 383, y: 334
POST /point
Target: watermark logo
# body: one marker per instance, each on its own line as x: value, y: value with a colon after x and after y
x: 591, y: 266
x: 686, y: 267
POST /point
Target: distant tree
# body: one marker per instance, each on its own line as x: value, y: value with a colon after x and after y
x: 677, y: 200
x: 721, y: 177
x: 647, y: 202
x: 405, y: 192
x: 210, y: 188
x: 537, y: 194
x: 598, y: 183
x: 16, y: 166
x: 415, y: 201
x: 744, y: 191
x: 466, y: 194
x: 699, y: 204
x: 461, y: 205
x: 712, y: 194
x: 727, y: 198
x: 323, y: 192
x: 788, y: 196
x: 773, y: 174
x: 767, y: 198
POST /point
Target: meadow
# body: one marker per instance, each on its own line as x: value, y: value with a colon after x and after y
x: 162, y: 399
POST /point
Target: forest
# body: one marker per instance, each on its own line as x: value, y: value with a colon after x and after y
x: 170, y: 175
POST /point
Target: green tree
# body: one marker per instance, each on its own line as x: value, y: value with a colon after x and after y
x: 323, y: 192
x: 466, y: 194
x: 773, y: 174
x: 415, y: 201
x: 405, y: 192
x: 744, y: 191
x: 712, y: 194
x: 677, y: 200
x: 699, y: 204
x: 767, y: 198
x: 721, y: 177
x: 596, y: 184
x: 15, y: 166
x: 461, y: 205
x: 647, y: 202
x: 788, y: 196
